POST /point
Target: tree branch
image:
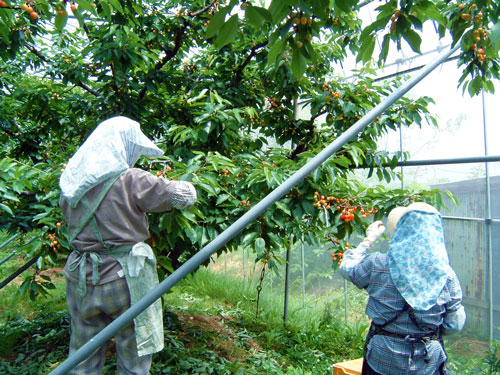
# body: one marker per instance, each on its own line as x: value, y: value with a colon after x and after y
x: 253, y: 52
x: 313, y: 118
x: 169, y: 54
x: 87, y: 88
x: 37, y: 53
x: 34, y: 51
x: 301, y: 147
x: 197, y: 13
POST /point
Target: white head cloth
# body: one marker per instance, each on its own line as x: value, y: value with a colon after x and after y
x: 113, y: 147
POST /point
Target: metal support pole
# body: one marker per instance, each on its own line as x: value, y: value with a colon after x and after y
x: 345, y: 301
x: 287, y: 282
x: 5, y: 243
x: 401, y: 151
x: 303, y: 273
x: 488, y: 224
x: 194, y: 262
x: 7, y: 257
x: 472, y: 159
x: 244, y: 264
x: 19, y: 271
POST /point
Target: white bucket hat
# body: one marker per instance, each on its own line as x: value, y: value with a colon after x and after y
x: 399, y: 211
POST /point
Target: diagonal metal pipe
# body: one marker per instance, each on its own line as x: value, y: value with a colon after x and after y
x: 244, y: 220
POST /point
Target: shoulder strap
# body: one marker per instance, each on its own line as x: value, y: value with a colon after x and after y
x: 90, y: 209
x: 406, y: 306
x: 413, y: 318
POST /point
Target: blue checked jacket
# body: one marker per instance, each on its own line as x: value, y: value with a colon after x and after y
x: 393, y: 355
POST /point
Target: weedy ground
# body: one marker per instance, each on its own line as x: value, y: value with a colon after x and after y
x: 212, y: 326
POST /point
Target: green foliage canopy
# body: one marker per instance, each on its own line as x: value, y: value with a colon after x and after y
x: 217, y: 85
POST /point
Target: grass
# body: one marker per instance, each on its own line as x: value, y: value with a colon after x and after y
x: 13, y: 304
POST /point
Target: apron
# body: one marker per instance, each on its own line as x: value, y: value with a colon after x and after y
x: 376, y: 329
x: 139, y: 268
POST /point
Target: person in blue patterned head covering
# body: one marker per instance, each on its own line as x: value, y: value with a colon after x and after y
x: 414, y: 295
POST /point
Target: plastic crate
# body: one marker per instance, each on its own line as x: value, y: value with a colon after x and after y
x: 352, y: 367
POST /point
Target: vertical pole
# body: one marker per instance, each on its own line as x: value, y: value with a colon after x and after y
x: 401, y: 150
x: 488, y: 224
x: 287, y: 281
x: 303, y: 274
x: 345, y: 301
x: 244, y: 264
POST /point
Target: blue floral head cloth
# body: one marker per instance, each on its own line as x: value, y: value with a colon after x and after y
x: 418, y: 261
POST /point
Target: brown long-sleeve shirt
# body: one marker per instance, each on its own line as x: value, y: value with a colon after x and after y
x: 121, y: 218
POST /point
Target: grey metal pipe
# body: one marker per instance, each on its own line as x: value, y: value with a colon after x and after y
x: 244, y: 220
x: 19, y: 271
x: 302, y: 253
x: 418, y: 163
x: 488, y: 223
x: 478, y: 219
x: 287, y: 283
x: 472, y: 159
x: 7, y: 257
x: 12, y: 238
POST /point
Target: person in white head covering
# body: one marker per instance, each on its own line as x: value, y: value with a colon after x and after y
x: 104, y: 200
x: 414, y: 295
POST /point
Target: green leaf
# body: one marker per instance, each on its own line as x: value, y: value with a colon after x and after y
x: 6, y: 209
x: 366, y: 50
x: 87, y: 6
x: 276, y: 7
x: 10, y: 197
x: 342, y: 161
x: 385, y: 47
x: 253, y: 17
x: 283, y: 207
x: 227, y: 32
x: 495, y: 37
x: 265, y: 14
x: 320, y: 8
x: 310, y: 52
x: 276, y: 50
x: 248, y: 238
x: 299, y: 63
x: 452, y: 197
x: 345, y: 5
x: 24, y: 287
x: 413, y: 39
x: 216, y: 22
x: 427, y: 9
x: 222, y: 198
x: 60, y: 21
x: 116, y: 4
x: 260, y: 245
x: 4, y: 29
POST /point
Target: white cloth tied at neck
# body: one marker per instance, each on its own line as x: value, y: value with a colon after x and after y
x: 137, y: 257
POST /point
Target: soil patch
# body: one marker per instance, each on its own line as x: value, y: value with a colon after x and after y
x: 466, y: 347
x: 223, y: 339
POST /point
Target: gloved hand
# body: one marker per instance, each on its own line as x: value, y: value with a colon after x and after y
x: 374, y: 231
x: 184, y: 195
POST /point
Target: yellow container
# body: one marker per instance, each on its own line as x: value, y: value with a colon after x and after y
x: 352, y: 367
